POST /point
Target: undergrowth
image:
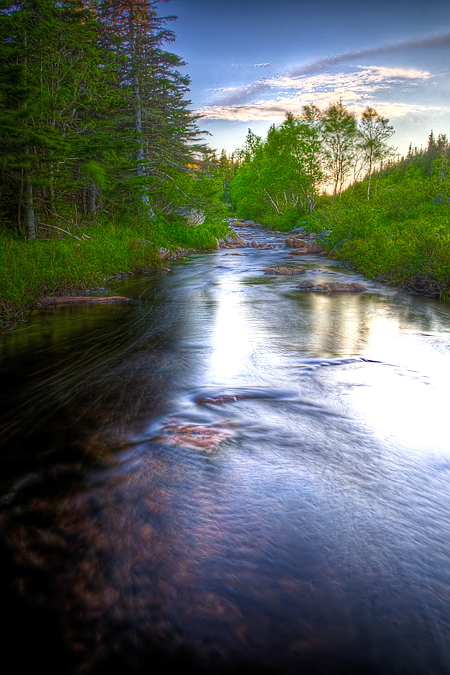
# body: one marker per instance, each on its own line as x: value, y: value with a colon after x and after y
x: 30, y: 270
x: 401, y: 237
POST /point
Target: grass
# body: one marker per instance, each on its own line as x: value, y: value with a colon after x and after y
x: 401, y: 237
x: 33, y: 269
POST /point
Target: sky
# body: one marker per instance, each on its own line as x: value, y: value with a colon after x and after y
x: 251, y: 61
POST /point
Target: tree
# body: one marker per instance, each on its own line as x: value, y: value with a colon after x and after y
x: 156, y: 108
x: 93, y: 111
x: 340, y: 134
x: 49, y: 127
x: 278, y: 179
x: 374, y: 132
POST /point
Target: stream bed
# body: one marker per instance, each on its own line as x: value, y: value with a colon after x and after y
x: 228, y: 475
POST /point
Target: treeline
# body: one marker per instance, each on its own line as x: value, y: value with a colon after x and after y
x: 330, y: 172
x: 281, y: 178
x: 94, y: 117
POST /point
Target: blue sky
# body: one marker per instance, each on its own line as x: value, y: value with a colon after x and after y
x: 250, y: 61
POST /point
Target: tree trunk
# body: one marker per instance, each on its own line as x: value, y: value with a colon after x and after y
x: 31, y: 223
x: 91, y: 200
x: 370, y: 177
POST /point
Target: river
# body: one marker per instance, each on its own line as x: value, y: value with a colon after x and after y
x: 228, y: 475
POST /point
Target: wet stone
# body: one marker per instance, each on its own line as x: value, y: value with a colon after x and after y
x: 332, y: 287
x: 285, y: 270
x: 203, y: 437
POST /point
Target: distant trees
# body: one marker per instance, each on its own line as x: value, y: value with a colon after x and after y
x: 280, y: 179
x: 374, y: 133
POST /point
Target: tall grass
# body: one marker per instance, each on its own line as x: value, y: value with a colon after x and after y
x: 402, y: 236
x: 30, y: 270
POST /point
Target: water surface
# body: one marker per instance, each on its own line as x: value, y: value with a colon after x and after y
x: 313, y: 537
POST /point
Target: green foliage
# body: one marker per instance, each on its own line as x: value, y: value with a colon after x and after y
x: 30, y: 270
x: 277, y: 181
x: 401, y: 236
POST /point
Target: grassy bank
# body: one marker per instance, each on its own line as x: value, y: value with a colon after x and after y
x: 401, y: 237
x: 30, y: 270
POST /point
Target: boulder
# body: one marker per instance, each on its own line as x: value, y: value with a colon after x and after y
x: 310, y: 245
x: 295, y: 241
x: 194, y: 217
x: 163, y: 253
x: 332, y: 287
x: 266, y: 246
x: 314, y: 247
x: 285, y: 270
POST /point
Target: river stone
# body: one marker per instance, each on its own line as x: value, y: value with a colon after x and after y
x: 310, y: 246
x: 332, y: 287
x: 295, y: 242
x: 203, y: 437
x: 285, y: 270
x: 72, y: 299
x: 314, y: 247
x: 163, y: 253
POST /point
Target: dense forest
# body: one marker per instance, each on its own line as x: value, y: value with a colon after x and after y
x: 100, y: 154
x: 332, y: 173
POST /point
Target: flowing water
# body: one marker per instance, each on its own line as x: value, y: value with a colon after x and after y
x: 227, y: 475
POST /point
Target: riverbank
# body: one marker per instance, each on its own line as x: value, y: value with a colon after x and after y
x: 400, y: 237
x: 87, y: 258
x: 410, y: 253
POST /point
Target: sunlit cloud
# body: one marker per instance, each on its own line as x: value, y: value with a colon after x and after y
x: 363, y: 76
x: 364, y: 86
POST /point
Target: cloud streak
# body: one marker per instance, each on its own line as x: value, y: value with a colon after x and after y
x: 370, y: 85
x: 442, y: 40
x: 239, y: 95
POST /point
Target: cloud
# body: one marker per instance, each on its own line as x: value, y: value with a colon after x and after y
x: 262, y: 65
x: 363, y: 76
x: 442, y: 40
x: 361, y: 87
x: 238, y: 95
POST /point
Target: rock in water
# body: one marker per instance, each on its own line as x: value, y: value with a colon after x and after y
x: 295, y: 242
x: 333, y: 287
x: 203, y: 437
x: 71, y: 299
x: 285, y: 270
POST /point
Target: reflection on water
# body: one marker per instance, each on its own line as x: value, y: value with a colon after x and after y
x: 228, y: 476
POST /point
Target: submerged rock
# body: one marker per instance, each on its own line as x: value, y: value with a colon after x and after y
x: 285, y: 270
x: 71, y: 299
x: 203, y: 437
x: 332, y: 287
